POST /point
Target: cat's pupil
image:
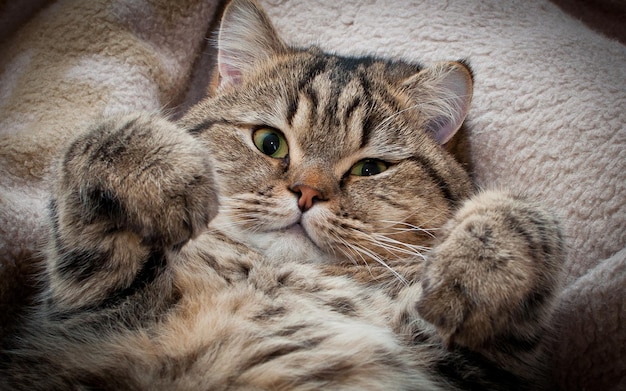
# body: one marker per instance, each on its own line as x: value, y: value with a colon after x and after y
x: 271, y: 144
x: 370, y: 167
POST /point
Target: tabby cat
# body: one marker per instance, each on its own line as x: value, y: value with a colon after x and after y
x: 304, y: 228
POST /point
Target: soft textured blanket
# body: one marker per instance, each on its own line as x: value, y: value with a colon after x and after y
x: 548, y: 118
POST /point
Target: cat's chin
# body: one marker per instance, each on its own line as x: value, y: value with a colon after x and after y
x: 288, y: 244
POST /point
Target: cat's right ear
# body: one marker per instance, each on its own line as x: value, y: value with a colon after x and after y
x: 246, y: 38
x: 443, y: 92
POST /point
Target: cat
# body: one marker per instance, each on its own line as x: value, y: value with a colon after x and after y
x: 304, y: 228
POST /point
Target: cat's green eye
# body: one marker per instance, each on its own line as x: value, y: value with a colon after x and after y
x: 369, y: 167
x: 271, y: 142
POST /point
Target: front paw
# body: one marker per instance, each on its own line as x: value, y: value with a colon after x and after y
x: 494, y: 271
x: 140, y: 173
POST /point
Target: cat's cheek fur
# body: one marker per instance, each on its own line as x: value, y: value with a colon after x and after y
x: 390, y: 215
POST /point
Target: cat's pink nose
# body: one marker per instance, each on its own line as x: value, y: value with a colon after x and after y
x: 307, y: 196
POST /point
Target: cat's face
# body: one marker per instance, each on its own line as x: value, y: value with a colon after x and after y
x: 322, y: 157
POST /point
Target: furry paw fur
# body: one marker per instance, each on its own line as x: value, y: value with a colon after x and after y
x: 143, y: 174
x: 493, y: 272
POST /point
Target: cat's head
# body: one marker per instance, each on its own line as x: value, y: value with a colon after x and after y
x: 325, y: 157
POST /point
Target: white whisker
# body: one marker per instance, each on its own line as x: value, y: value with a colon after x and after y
x: 398, y: 246
x: 375, y: 257
x: 410, y: 227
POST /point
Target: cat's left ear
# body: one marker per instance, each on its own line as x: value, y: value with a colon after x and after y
x: 246, y: 38
x: 443, y: 92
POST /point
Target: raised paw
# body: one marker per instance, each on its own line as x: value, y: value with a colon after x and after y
x: 139, y: 173
x: 494, y: 271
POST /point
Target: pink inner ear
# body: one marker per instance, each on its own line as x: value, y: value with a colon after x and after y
x: 456, y: 90
x: 229, y: 75
x: 246, y: 37
x: 443, y: 129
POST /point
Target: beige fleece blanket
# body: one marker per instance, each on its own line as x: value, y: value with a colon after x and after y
x: 548, y: 117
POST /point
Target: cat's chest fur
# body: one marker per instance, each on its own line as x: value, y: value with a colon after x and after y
x: 250, y: 317
x: 214, y: 265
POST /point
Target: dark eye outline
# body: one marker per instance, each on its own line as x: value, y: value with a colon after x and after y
x: 379, y: 166
x: 259, y: 137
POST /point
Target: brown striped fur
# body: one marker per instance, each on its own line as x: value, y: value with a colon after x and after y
x: 182, y: 256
